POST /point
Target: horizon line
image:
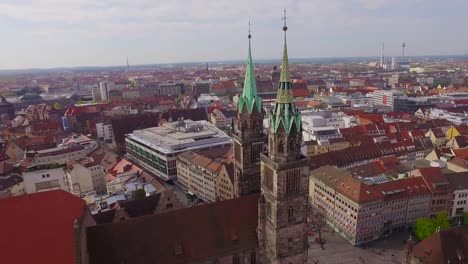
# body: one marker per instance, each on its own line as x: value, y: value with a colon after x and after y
x: 215, y: 61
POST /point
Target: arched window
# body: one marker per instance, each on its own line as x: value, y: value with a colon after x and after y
x: 290, y: 214
x: 291, y: 146
x: 280, y: 147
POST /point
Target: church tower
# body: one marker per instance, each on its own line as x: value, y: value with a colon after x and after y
x: 248, y: 136
x: 284, y: 180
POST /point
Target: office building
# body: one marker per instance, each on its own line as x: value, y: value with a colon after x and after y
x: 156, y: 148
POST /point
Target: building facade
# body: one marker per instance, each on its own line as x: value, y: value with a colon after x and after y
x: 156, y: 149
x: 86, y: 176
x: 104, y: 131
x: 43, y: 179
x: 362, y: 213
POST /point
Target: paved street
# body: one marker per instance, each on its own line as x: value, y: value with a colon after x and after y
x: 338, y: 250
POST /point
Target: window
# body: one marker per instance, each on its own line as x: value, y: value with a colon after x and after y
x: 235, y: 259
x: 268, y: 178
x: 280, y: 147
x: 268, y: 210
x: 255, y: 153
x: 292, y: 182
x: 237, y: 151
x: 253, y: 258
x: 290, y: 214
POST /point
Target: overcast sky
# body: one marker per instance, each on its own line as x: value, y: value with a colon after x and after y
x: 52, y: 33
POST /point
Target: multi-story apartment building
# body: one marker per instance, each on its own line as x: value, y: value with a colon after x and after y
x: 198, y: 174
x: 205, y: 177
x: 459, y: 182
x: 225, y: 182
x: 386, y: 97
x: 222, y: 117
x: 440, y: 188
x: 40, y: 179
x: 104, y: 131
x: 202, y: 87
x: 316, y: 147
x: 326, y: 118
x: 171, y: 88
x: 156, y: 148
x: 76, y: 147
x: 455, y: 118
x: 86, y: 176
x: 361, y: 212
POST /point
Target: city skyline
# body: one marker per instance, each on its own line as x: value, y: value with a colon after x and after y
x: 48, y: 34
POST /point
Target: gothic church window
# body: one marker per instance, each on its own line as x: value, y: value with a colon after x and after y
x: 290, y: 214
x: 293, y: 181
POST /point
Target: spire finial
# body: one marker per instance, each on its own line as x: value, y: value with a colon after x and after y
x: 284, y: 20
x: 249, y: 36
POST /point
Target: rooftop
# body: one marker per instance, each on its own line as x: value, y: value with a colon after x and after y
x: 180, y: 135
x: 222, y: 228
x: 36, y: 223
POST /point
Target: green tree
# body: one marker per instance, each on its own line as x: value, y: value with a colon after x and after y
x: 139, y: 194
x: 57, y: 106
x: 424, y: 228
x: 441, y: 221
x: 465, y: 218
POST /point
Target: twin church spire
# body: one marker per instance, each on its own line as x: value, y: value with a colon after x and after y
x: 249, y: 96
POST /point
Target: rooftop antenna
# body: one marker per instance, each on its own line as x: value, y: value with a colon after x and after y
x: 403, y: 46
x: 284, y: 20
x: 382, y: 55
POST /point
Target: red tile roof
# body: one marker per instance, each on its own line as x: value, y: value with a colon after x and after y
x: 38, y: 228
x: 447, y: 246
x: 301, y: 92
x: 434, y: 178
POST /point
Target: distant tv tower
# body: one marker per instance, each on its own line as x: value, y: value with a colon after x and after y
x: 128, y: 66
x: 382, y: 56
x: 403, y: 46
x: 207, y: 69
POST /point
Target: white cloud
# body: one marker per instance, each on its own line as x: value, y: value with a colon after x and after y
x: 164, y: 31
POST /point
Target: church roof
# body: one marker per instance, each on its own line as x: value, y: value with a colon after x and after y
x: 182, y: 236
x: 249, y: 96
x: 285, y: 112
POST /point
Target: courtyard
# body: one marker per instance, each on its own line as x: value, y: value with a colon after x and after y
x: 337, y: 250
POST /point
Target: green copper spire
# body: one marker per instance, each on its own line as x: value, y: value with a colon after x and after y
x: 249, y: 95
x: 285, y: 111
x: 285, y: 94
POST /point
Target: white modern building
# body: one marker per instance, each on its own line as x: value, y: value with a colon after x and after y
x: 206, y: 99
x: 62, y: 154
x: 156, y: 148
x: 40, y: 180
x: 104, y: 131
x: 324, y: 118
x: 386, y: 97
x: 104, y: 88
x: 459, y: 182
x: 86, y: 176
x: 455, y: 118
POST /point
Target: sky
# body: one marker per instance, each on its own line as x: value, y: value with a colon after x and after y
x: 69, y: 33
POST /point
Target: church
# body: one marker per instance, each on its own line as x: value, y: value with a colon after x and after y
x: 265, y: 223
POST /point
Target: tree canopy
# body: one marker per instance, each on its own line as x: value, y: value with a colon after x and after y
x: 57, y: 106
x: 426, y: 227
